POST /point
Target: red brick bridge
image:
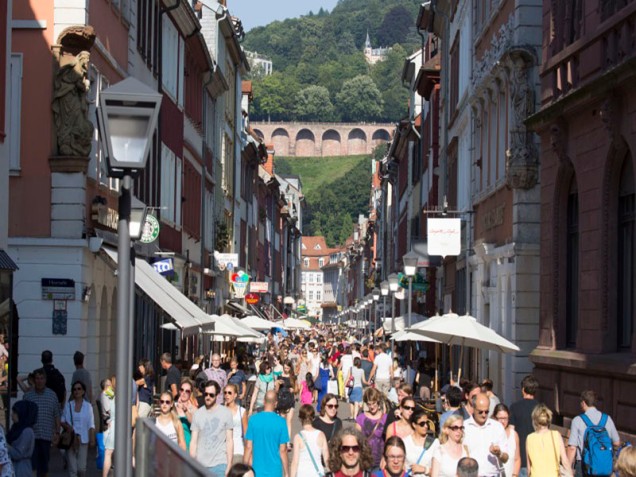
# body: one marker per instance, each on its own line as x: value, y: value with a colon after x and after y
x: 323, y: 139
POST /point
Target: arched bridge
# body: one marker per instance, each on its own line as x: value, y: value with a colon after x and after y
x: 323, y: 139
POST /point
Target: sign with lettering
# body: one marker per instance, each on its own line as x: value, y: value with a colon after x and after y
x: 259, y: 287
x: 163, y: 266
x: 150, y: 230
x: 444, y: 237
x: 226, y: 261
x: 105, y: 216
x: 58, y: 289
x: 252, y: 298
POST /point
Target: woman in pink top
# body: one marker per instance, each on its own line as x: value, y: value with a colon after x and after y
x: 307, y: 390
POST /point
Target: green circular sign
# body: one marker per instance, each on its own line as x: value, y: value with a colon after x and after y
x: 151, y: 229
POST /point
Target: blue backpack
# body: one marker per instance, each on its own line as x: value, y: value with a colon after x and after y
x: 597, y: 454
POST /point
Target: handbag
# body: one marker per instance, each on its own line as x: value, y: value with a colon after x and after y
x: 562, y: 471
x: 350, y: 382
x: 67, y: 438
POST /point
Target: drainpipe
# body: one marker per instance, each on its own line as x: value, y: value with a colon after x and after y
x: 203, y: 179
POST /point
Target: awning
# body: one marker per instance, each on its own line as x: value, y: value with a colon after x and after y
x: 227, y: 325
x: 6, y: 263
x: 187, y: 316
x: 238, y: 308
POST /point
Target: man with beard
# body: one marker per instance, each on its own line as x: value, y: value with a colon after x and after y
x: 349, y: 454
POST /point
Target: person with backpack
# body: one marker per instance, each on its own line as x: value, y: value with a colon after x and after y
x: 54, y: 379
x: 592, y: 438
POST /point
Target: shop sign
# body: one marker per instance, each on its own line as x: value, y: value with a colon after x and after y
x: 444, y: 237
x: 259, y: 287
x: 239, y: 281
x: 163, y: 266
x: 150, y: 230
x: 105, y: 216
x: 252, y: 298
x: 226, y: 261
x: 58, y: 289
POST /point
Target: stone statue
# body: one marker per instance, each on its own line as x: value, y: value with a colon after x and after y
x: 70, y: 108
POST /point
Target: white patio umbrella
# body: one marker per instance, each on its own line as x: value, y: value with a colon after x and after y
x: 227, y: 325
x: 405, y: 335
x: 258, y: 323
x: 452, y: 329
x: 400, y: 322
x: 296, y: 324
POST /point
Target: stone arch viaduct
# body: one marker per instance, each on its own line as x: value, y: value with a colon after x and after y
x: 323, y: 139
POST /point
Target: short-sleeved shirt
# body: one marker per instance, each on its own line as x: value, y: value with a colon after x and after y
x: 366, y: 366
x: 173, y: 376
x: 478, y: 439
x: 220, y: 376
x: 329, y: 430
x: 383, y: 365
x: 521, y: 418
x: 145, y: 392
x: 48, y: 412
x: 238, y: 378
x: 267, y: 431
x: 578, y: 429
x: 211, y: 442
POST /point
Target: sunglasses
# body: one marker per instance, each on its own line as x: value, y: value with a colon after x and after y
x: 228, y: 392
x: 212, y: 395
x: 332, y: 406
x: 422, y: 423
x: 456, y: 428
x: 165, y: 401
x: 481, y: 412
x: 184, y: 390
x: 408, y: 408
x: 346, y: 449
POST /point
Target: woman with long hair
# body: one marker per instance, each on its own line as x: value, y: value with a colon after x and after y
x: 419, y: 445
x: 545, y: 448
x: 264, y: 382
x: 371, y: 423
x: 309, y: 445
x: 355, y: 380
x: 77, y: 416
x: 328, y: 421
x: 237, y: 376
x: 402, y: 427
x: 512, y: 466
x: 395, y: 457
x: 302, y: 368
x: 185, y: 406
x: 239, y: 419
x: 307, y: 390
x: 325, y: 373
x: 145, y: 387
x: 21, y: 439
x: 168, y: 422
x: 451, y: 449
x: 287, y: 380
x: 349, y: 450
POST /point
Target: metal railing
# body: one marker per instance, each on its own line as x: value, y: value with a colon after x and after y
x: 157, y: 456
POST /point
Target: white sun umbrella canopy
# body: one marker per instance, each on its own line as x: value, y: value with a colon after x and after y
x: 405, y: 335
x: 258, y: 323
x: 400, y: 322
x: 295, y: 324
x: 464, y: 330
x: 227, y: 325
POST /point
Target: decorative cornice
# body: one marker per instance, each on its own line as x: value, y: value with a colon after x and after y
x: 69, y: 164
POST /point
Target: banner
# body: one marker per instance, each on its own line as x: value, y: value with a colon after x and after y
x: 226, y: 260
x: 444, y: 237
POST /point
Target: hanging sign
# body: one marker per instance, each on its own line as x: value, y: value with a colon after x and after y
x: 252, y: 298
x: 444, y: 237
x: 239, y: 281
x: 150, y: 231
x: 259, y: 287
x: 226, y: 261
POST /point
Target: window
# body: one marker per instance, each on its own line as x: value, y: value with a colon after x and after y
x: 318, y: 295
x: 311, y: 295
x: 148, y: 33
x: 625, y: 292
x: 15, y: 111
x: 454, y: 77
x: 572, y: 267
x: 172, y: 57
x: 170, y: 186
x: 209, y: 221
x: 321, y: 262
x: 318, y: 278
x: 306, y: 262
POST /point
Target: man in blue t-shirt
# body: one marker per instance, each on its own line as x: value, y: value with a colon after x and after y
x: 266, y: 441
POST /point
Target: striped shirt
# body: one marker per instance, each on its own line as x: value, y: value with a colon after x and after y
x: 48, y: 413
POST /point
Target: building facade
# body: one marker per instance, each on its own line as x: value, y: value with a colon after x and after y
x: 586, y: 124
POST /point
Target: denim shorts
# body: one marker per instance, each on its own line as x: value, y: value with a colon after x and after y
x: 218, y: 470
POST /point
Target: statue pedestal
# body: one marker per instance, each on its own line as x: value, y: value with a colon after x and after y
x: 68, y: 196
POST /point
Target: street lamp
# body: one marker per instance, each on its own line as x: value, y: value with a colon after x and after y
x: 375, y: 293
x: 127, y: 118
x: 384, y: 290
x: 410, y: 267
x: 394, y: 285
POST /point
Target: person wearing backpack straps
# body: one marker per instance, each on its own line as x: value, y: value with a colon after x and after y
x: 592, y: 438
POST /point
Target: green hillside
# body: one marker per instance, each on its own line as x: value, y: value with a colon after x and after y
x: 320, y: 73
x: 336, y: 189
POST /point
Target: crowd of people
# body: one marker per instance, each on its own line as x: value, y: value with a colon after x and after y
x: 234, y: 417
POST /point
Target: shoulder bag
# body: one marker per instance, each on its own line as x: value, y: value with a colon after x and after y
x: 67, y: 438
x: 562, y: 470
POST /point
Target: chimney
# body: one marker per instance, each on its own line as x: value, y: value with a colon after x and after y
x: 269, y: 165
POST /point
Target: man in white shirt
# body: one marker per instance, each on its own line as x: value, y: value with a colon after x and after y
x: 382, y: 370
x: 486, y: 439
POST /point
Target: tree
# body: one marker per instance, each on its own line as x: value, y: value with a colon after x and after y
x: 313, y: 104
x: 359, y: 100
x: 273, y: 96
x: 395, y: 26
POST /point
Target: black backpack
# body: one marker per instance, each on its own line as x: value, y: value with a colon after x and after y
x: 55, y: 382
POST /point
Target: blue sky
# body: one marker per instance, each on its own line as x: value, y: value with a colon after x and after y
x: 261, y: 12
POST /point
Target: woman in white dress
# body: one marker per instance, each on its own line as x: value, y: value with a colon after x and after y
x: 309, y: 445
x: 239, y: 420
x: 168, y: 422
x: 420, y: 446
x: 501, y: 413
x: 451, y: 450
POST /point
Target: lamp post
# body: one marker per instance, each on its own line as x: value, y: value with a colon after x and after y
x: 394, y: 285
x: 410, y: 267
x: 127, y: 117
x: 375, y: 293
x: 384, y: 290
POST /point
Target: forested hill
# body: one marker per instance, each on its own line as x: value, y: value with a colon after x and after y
x: 320, y: 72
